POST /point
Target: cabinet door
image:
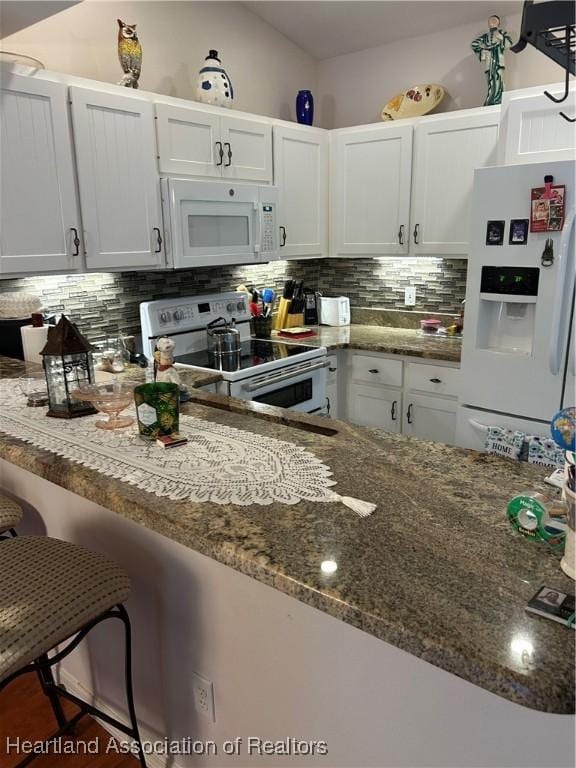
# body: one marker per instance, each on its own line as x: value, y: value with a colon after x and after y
x: 534, y: 130
x: 119, y: 185
x: 301, y: 175
x: 371, y: 172
x: 430, y: 418
x: 374, y: 406
x: 188, y: 141
x: 247, y: 149
x: 39, y: 212
x: 446, y: 152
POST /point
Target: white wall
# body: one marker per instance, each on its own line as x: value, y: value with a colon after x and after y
x: 266, y: 69
x: 352, y: 89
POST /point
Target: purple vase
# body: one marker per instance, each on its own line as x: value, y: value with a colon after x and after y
x: 305, y: 107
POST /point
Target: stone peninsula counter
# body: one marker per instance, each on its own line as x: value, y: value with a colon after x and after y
x: 436, y: 570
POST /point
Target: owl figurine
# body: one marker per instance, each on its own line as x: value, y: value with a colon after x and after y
x: 130, y: 54
x: 214, y: 86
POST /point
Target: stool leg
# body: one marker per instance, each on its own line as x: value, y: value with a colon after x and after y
x: 48, y: 686
x: 128, y: 674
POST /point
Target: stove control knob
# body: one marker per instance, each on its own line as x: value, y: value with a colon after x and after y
x: 165, y: 317
x: 178, y: 315
x: 230, y: 307
x: 241, y: 307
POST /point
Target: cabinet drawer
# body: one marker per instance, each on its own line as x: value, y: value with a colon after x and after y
x: 435, y: 379
x: 376, y: 370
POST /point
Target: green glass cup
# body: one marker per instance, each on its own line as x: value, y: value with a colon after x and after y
x: 157, y: 409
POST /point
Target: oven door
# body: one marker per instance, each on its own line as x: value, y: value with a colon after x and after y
x: 299, y: 387
x: 211, y: 223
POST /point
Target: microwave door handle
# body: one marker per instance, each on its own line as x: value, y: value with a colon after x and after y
x: 257, y: 228
x: 564, y: 256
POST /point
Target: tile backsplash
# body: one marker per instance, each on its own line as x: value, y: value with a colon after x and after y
x: 103, y: 304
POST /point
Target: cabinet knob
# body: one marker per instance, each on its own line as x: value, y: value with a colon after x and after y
x: 332, y: 370
x: 436, y: 381
x: 373, y: 370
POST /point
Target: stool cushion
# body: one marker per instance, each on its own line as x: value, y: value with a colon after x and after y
x: 49, y: 589
x: 10, y: 513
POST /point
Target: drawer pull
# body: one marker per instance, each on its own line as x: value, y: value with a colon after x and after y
x: 373, y: 370
x: 436, y: 381
x: 416, y: 228
x: 393, y: 410
x: 409, y: 414
x: 332, y: 370
x: 75, y: 241
x: 220, y: 152
x: 401, y: 235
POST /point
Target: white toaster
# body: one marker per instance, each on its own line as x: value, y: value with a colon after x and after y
x: 334, y: 311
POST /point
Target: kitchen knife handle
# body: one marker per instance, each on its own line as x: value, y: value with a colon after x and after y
x: 229, y: 163
x: 401, y: 235
x: 158, y: 240
x: 393, y: 410
x: 283, y: 234
x: 409, y: 414
x: 218, y: 144
x: 75, y: 241
x: 416, y: 229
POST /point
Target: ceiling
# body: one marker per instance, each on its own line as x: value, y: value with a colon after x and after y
x: 327, y: 28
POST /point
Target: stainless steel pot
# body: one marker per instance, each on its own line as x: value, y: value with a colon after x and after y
x: 222, y: 339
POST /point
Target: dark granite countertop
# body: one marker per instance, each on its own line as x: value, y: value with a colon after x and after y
x: 392, y: 341
x: 436, y: 570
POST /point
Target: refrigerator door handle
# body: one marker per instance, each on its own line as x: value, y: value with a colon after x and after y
x: 559, y: 292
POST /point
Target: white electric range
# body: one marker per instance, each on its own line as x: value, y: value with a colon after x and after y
x: 286, y: 374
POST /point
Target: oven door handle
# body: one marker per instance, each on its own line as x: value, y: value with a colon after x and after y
x: 284, y: 376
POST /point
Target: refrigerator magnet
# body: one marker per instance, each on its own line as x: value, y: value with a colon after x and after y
x: 547, y: 207
x: 518, y: 231
x: 495, y: 232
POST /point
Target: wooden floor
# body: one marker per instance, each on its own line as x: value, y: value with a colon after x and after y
x: 26, y: 713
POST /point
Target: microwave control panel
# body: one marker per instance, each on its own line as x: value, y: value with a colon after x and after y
x: 268, y: 227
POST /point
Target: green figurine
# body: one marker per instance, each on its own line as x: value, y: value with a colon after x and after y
x: 490, y: 48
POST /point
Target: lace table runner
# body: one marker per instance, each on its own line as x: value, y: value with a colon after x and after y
x: 219, y: 464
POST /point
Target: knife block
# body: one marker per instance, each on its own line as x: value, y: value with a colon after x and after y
x: 294, y: 321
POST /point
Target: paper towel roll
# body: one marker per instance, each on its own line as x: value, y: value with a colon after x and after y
x: 33, y: 340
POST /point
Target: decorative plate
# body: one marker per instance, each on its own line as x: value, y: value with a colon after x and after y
x: 416, y: 101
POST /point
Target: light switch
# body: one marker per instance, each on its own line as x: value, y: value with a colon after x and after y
x: 410, y: 296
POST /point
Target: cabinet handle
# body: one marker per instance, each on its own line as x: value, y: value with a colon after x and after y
x: 158, y: 240
x: 409, y: 414
x: 416, y: 228
x: 75, y: 241
x: 373, y: 370
x: 328, y: 406
x: 220, y: 152
x: 393, y: 410
x: 283, y: 233
x: 436, y: 381
x: 401, y: 235
x: 332, y: 370
x: 229, y: 163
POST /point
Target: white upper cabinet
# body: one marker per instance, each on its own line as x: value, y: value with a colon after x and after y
x: 193, y: 142
x: 370, y: 174
x: 446, y: 152
x: 247, y: 148
x: 533, y: 129
x: 188, y: 141
x: 39, y: 218
x: 301, y: 175
x: 118, y: 180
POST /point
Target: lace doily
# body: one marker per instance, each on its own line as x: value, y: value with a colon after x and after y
x: 219, y: 464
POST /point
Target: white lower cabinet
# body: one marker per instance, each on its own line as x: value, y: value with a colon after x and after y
x: 430, y: 418
x: 415, y: 399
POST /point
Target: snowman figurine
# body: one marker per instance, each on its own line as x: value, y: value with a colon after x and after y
x: 214, y: 86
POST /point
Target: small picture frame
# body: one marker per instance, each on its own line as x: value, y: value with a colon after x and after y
x: 518, y: 231
x: 495, y: 232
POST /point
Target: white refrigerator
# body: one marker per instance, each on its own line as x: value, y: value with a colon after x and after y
x: 517, y: 353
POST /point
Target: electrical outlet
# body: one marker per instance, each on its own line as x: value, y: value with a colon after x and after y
x: 203, y: 691
x: 410, y: 296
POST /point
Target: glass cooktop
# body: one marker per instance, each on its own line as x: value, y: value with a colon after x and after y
x: 252, y: 353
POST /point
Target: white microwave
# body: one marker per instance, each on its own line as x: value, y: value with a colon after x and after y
x: 216, y: 223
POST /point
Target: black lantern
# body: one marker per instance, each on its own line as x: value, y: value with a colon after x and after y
x: 67, y: 358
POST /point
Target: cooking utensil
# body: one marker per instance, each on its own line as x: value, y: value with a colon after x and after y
x: 222, y: 339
